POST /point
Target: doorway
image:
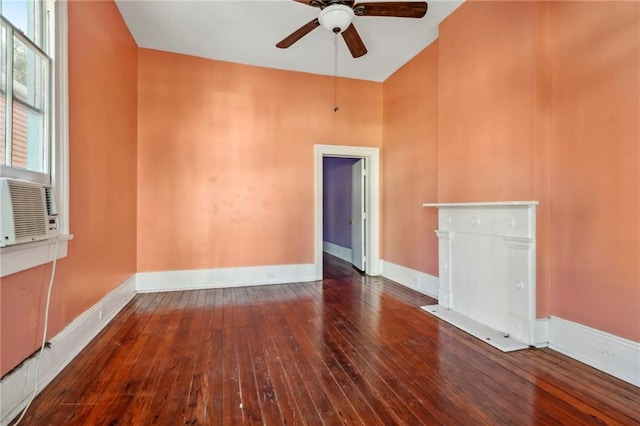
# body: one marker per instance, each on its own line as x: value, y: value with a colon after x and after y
x: 371, y: 197
x: 343, y: 209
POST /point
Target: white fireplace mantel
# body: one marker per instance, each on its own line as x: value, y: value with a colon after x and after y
x: 483, y: 204
x: 487, y: 261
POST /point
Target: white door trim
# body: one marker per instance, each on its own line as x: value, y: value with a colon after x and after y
x: 358, y: 219
x: 372, y: 199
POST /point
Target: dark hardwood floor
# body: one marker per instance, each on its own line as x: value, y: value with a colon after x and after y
x: 349, y: 349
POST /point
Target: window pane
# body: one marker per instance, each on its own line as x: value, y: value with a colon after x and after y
x: 29, y: 128
x: 25, y: 127
x: 4, y: 33
x: 3, y: 89
x: 3, y: 101
x: 21, y: 13
x: 28, y: 139
x: 27, y: 74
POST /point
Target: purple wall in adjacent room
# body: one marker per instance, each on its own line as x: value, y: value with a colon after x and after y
x: 337, y: 200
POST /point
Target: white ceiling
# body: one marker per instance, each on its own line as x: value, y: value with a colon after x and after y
x: 246, y: 32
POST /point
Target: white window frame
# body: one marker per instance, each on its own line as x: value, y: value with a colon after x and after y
x: 25, y: 256
x: 41, y: 41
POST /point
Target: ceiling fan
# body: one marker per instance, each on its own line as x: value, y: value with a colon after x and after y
x: 338, y: 15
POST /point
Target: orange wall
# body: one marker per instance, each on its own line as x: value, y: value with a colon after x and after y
x: 225, y: 159
x: 409, y: 162
x: 595, y: 163
x: 536, y: 101
x: 477, y: 123
x: 493, y: 113
x: 102, y: 154
x: 486, y: 101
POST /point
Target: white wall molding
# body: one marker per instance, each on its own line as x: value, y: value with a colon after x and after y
x: 416, y: 280
x: 60, y: 160
x: 337, y: 251
x: 609, y: 353
x: 541, y: 332
x: 196, y: 279
x: 17, y: 387
x: 372, y: 156
x: 21, y: 257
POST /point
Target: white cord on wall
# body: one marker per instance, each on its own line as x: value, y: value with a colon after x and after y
x: 44, y: 333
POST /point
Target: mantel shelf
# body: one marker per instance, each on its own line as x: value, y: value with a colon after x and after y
x: 483, y: 204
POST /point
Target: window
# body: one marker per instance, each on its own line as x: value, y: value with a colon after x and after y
x: 34, y: 114
x: 26, y: 89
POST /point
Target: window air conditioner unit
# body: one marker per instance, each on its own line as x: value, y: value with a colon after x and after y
x: 27, y: 212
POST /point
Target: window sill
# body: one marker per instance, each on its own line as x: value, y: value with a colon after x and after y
x: 26, y: 256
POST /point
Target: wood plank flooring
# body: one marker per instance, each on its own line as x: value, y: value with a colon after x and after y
x: 350, y: 349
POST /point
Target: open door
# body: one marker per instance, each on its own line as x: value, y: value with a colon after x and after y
x: 358, y: 215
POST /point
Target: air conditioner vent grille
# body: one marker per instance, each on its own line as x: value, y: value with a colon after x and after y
x: 28, y: 208
x: 51, y: 201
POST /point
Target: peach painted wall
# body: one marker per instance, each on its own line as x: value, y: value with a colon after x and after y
x: 595, y: 163
x: 539, y: 100
x: 477, y: 122
x: 409, y: 163
x: 486, y: 100
x: 102, y: 172
x: 225, y: 159
x: 493, y: 113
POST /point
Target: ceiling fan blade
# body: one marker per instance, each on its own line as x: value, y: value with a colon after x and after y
x: 314, y: 3
x: 354, y: 42
x: 405, y: 9
x: 298, y: 34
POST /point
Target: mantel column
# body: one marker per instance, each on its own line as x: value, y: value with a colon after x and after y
x: 445, y: 295
x: 522, y: 296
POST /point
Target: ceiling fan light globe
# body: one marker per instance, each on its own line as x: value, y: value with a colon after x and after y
x: 336, y: 16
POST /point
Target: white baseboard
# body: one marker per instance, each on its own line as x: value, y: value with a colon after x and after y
x: 197, y: 279
x: 541, y: 332
x: 416, y: 280
x: 17, y: 387
x: 337, y: 251
x: 606, y: 352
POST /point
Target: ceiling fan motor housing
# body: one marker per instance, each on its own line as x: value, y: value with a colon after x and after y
x: 336, y: 18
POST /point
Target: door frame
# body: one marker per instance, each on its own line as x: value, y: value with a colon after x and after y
x: 372, y: 203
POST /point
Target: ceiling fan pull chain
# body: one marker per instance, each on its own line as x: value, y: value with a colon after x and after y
x: 335, y: 72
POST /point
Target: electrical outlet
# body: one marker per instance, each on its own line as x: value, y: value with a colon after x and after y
x: 102, y: 313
